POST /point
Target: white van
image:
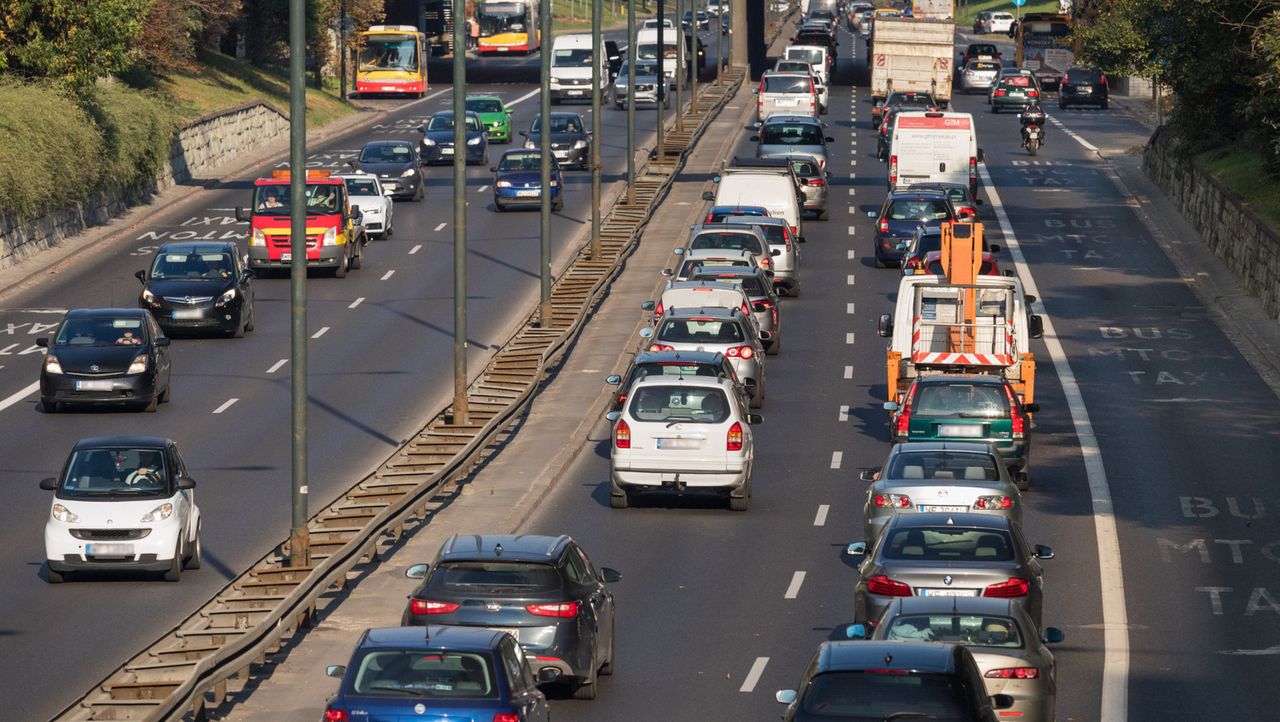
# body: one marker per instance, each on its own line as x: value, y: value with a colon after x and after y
x: 647, y: 49
x: 934, y: 147
x: 571, y: 64
x: 771, y: 189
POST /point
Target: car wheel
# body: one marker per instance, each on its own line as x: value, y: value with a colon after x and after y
x: 150, y: 406
x: 741, y: 503
x: 417, y: 195
x: 357, y: 260
x: 1105, y: 102
x: 55, y: 577
x: 340, y: 271
x: 557, y: 206
x: 168, y: 392
x: 619, y: 499
x: 238, y: 332
x: 49, y: 406
x: 824, y: 214
x: 880, y: 263
x: 1062, y: 105
x: 174, y: 572
x: 499, y: 207
x: 248, y: 327
x: 994, y: 108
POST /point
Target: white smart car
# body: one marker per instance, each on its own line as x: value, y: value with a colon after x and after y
x: 123, y: 503
x: 374, y: 202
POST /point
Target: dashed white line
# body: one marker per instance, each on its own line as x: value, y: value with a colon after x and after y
x: 793, y: 589
x: 523, y: 98
x: 853, y: 210
x: 844, y: 413
x: 19, y: 395
x: 482, y: 189
x: 848, y: 338
x: 225, y: 405
x: 850, y: 278
x: 753, y: 675
x: 848, y: 308
x: 852, y: 229
x: 848, y: 372
x: 323, y: 330
x: 276, y: 366
x: 388, y: 274
x: 836, y: 458
x: 356, y: 302
x: 441, y: 227
x: 415, y: 249
x: 820, y: 519
x: 851, y: 191
x: 1087, y: 145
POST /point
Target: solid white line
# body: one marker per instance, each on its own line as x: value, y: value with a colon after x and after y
x: 848, y: 308
x: 323, y: 330
x: 225, y: 405
x: 388, y: 274
x: 415, y: 249
x: 836, y: 458
x: 482, y: 189
x: 356, y: 302
x: 820, y: 519
x: 793, y: 589
x: 753, y: 675
x: 1087, y: 145
x: 844, y: 413
x: 1115, y: 617
x: 523, y: 98
x: 848, y: 372
x: 848, y: 338
x: 19, y: 395
x: 1183, y: 400
x: 441, y: 227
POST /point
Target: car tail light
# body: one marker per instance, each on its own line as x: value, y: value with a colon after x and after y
x: 893, y: 170
x: 1104, y: 80
x: 795, y: 231
x: 1015, y: 415
x: 762, y: 305
x: 661, y: 347
x: 336, y: 714
x: 743, y: 352
x: 817, y: 181
x: 886, y: 587
x: 1033, y: 93
x: 622, y: 435
x: 659, y: 310
x: 506, y: 717
x: 1013, y: 673
x: 1012, y: 587
x: 427, y: 606
x: 1066, y: 78
x: 765, y: 262
x: 622, y: 398
x: 903, y: 423
x: 891, y: 501
x: 884, y: 228
x: 733, y: 441
x: 993, y: 503
x: 710, y: 218
x: 560, y: 610
x: 973, y: 176
x: 1001, y: 92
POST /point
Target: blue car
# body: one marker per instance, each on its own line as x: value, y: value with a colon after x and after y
x: 517, y: 181
x: 467, y: 674
x: 903, y: 212
x: 437, y: 139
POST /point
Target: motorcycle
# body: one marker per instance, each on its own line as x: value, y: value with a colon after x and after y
x: 1032, y: 137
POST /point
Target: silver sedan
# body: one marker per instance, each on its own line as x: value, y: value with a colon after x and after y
x: 979, y: 75
x: 934, y: 476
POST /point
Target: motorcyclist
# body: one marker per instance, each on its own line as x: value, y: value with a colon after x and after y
x: 1032, y: 115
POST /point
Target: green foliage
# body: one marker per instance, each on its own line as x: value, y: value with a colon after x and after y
x: 73, y: 41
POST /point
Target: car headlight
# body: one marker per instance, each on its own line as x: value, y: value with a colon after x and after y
x: 529, y: 145
x: 160, y: 513
x: 428, y: 142
x: 330, y: 236
x: 257, y: 238
x: 52, y: 365
x: 65, y: 515
x: 502, y: 184
x: 554, y: 183
x: 475, y: 141
x: 149, y: 297
x: 139, y: 365
x: 409, y: 173
x: 580, y: 144
x: 226, y: 298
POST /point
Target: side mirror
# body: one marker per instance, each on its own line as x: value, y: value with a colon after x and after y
x: 42, y: 342
x: 1037, y: 326
x: 141, y: 276
x: 977, y: 201
x: 775, y: 252
x: 755, y: 419
x: 524, y: 134
x: 802, y: 239
x: 869, y: 474
x: 678, y: 251
x: 890, y: 406
x: 856, y: 631
x: 994, y: 248
x: 873, y: 214
x: 829, y: 139
x: 613, y: 379
x: 856, y: 549
x: 982, y: 156
x: 667, y: 272
x: 186, y: 483
x: 1031, y: 298
x: 493, y: 169
x: 1001, y: 701
x: 1053, y: 635
x: 647, y: 306
x: 1031, y: 408
x: 1044, y: 552
x: 335, y: 670
x: 162, y: 341
x: 766, y: 335
x: 785, y: 696
x: 547, y: 675
x: 610, y: 576
x: 50, y: 484
x: 613, y: 415
x: 884, y: 327
x: 1008, y: 273
x: 417, y: 571
x: 646, y: 332
x: 754, y: 139
x: 755, y: 91
x: 241, y: 216
x: 708, y: 196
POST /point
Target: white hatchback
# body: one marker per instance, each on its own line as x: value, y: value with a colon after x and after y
x: 122, y: 504
x: 682, y: 434
x: 374, y: 202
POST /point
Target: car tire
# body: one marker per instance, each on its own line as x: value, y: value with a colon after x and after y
x: 774, y: 348
x: 417, y: 195
x: 557, y: 206
x: 741, y: 503
x: 1105, y: 103
x: 238, y: 332
x: 49, y: 406
x: 174, y: 572
x: 195, y: 558
x: 152, y: 404
x: 340, y: 271
x: 994, y: 108
x: 824, y: 214
x: 357, y: 261
x: 248, y: 328
x: 880, y: 263
x: 168, y: 392
x: 587, y: 689
x: 54, y: 577
x: 499, y: 207
x: 619, y: 500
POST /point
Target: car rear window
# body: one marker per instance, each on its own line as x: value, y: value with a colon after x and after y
x: 1083, y: 75
x: 982, y: 401
x: 791, y: 134
x: 695, y: 266
x: 882, y: 694
x: 786, y: 84
x: 674, y: 369
x: 918, y: 209
x: 700, y: 330
x: 1017, y: 81
x: 927, y: 243
x: 490, y: 575
x: 942, y: 465
x: 792, y: 66
x: 727, y: 240
x: 975, y: 630
x: 776, y: 235
x: 809, y: 55
x: 948, y: 544
x: 922, y: 100
x: 691, y: 404
x: 415, y: 673
x: 749, y: 284
x: 804, y: 169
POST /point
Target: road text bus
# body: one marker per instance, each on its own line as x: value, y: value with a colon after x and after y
x: 508, y: 26
x: 392, y: 61
x: 1046, y: 46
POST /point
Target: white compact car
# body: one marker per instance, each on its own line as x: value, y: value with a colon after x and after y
x: 374, y: 202
x: 682, y: 434
x: 123, y: 503
x: 698, y: 294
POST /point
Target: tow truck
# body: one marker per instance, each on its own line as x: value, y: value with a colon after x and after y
x: 961, y: 322
x: 335, y: 232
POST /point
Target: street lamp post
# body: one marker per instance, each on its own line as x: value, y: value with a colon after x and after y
x: 460, y: 410
x: 631, y: 102
x: 299, y: 537
x: 544, y: 257
x: 597, y: 57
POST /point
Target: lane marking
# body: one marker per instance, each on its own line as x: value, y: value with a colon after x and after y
x: 852, y: 209
x: 851, y: 230
x: 415, y: 249
x: 482, y: 189
x: 820, y: 519
x: 836, y: 458
x: 848, y: 372
x: 388, y: 274
x: 850, y: 278
x: 226, y: 405
x: 851, y: 193
x: 1115, y: 617
x: 753, y: 675
x: 19, y: 395
x: 356, y: 302
x: 844, y: 413
x: 848, y: 338
x: 323, y: 330
x: 848, y: 308
x: 793, y: 589
x: 851, y: 254
x: 441, y: 227
x: 523, y: 98
x: 1072, y: 134
x: 276, y: 366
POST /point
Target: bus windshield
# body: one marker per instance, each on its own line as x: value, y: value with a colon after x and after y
x: 499, y: 18
x: 390, y: 52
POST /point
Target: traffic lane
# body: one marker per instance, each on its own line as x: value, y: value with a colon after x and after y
x: 1194, y: 527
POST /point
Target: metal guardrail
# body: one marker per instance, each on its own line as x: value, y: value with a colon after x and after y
x: 188, y: 670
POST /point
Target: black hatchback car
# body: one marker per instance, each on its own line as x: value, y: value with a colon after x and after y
x: 540, y: 589
x: 199, y: 287
x: 397, y: 165
x: 105, y: 356
x: 1083, y: 86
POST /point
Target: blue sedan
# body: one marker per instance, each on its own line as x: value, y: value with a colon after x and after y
x: 437, y: 139
x: 517, y: 182
x: 437, y: 672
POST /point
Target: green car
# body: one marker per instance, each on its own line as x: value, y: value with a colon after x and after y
x: 978, y: 408
x: 494, y: 114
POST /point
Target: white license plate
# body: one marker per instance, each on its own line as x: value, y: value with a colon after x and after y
x: 389, y: 186
x: 286, y: 256
x: 388, y: 87
x: 967, y: 431
x: 786, y: 103
x: 678, y: 443
x: 560, y: 153
x: 446, y: 151
x: 575, y: 92
x: 108, y: 550
x: 93, y: 385
x: 1086, y: 90
x: 948, y: 592
x: 526, y: 194
x: 188, y: 313
x: 926, y: 508
x: 502, y: 50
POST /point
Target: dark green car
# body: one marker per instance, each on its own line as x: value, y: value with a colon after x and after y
x: 1014, y: 90
x: 979, y: 407
x: 493, y: 114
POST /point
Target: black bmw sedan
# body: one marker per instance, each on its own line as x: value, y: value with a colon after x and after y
x: 116, y: 356
x: 199, y: 287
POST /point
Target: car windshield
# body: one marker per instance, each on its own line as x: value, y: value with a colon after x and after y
x: 362, y: 187
x: 804, y: 168
x: 948, y: 544
x: 728, y: 240
x: 791, y: 134
x: 387, y: 153
x: 942, y: 465
x: 274, y: 200
x: 914, y: 100
x: 465, y: 576
x: 967, y: 629
x: 560, y: 124
x: 691, y: 404
x: 879, y: 695
x: 208, y: 264
x: 918, y: 209
x: 125, y: 472
x: 811, y: 56
x: 986, y: 401
x: 749, y: 284
x: 520, y: 161
x: 786, y: 84
x: 571, y: 58
x: 101, y: 332
x: 694, y: 266
x: 418, y: 673
x: 792, y: 66
x: 673, y: 368
x: 484, y: 105
x: 700, y: 330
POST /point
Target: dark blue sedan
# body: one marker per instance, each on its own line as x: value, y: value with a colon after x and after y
x: 902, y: 213
x: 517, y: 182
x: 437, y: 139
x: 467, y: 674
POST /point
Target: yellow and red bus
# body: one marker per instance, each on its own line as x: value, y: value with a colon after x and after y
x: 393, y: 61
x: 1046, y: 46
x: 508, y: 26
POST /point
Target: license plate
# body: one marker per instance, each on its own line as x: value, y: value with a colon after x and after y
x: 1085, y: 90
x: 967, y: 431
x: 786, y: 103
x: 446, y: 151
x: 560, y: 153
x: 389, y: 186
x: 948, y: 592
x: 502, y: 50
x: 93, y: 385
x: 108, y: 550
x: 676, y: 444
x: 575, y: 92
x: 188, y: 313
x: 286, y: 256
x: 526, y: 194
x: 935, y: 507
x: 388, y: 87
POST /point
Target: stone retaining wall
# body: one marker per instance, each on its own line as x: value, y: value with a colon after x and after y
x: 200, y: 147
x: 1247, y: 244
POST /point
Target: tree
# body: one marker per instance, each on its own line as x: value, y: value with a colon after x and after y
x: 173, y: 29
x: 73, y: 41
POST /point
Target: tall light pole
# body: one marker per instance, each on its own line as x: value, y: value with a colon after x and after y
x: 299, y: 537
x: 680, y: 59
x: 597, y: 126
x: 631, y: 101
x: 460, y: 411
x: 544, y: 138
x: 342, y: 50
x: 662, y: 74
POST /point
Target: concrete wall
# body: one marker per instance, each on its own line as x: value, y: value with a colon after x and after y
x: 201, y: 146
x: 1247, y: 244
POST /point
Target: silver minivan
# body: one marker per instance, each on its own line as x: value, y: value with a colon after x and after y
x: 783, y: 248
x: 783, y: 136
x: 792, y: 93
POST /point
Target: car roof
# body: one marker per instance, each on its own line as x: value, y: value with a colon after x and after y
x: 687, y: 285
x: 718, y: 228
x: 141, y: 442
x: 484, y: 96
x: 788, y: 74
x: 524, y: 151
x: 519, y: 547
x: 107, y: 312
x: 701, y: 254
x: 383, y: 143
x: 918, y: 194
x: 957, y: 519
x: 735, y: 271
x: 789, y: 118
x: 694, y: 357
x: 562, y: 114
x: 983, y: 379
x: 197, y: 246
x: 876, y: 654
x: 956, y: 605
x: 442, y: 113
x: 432, y: 637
